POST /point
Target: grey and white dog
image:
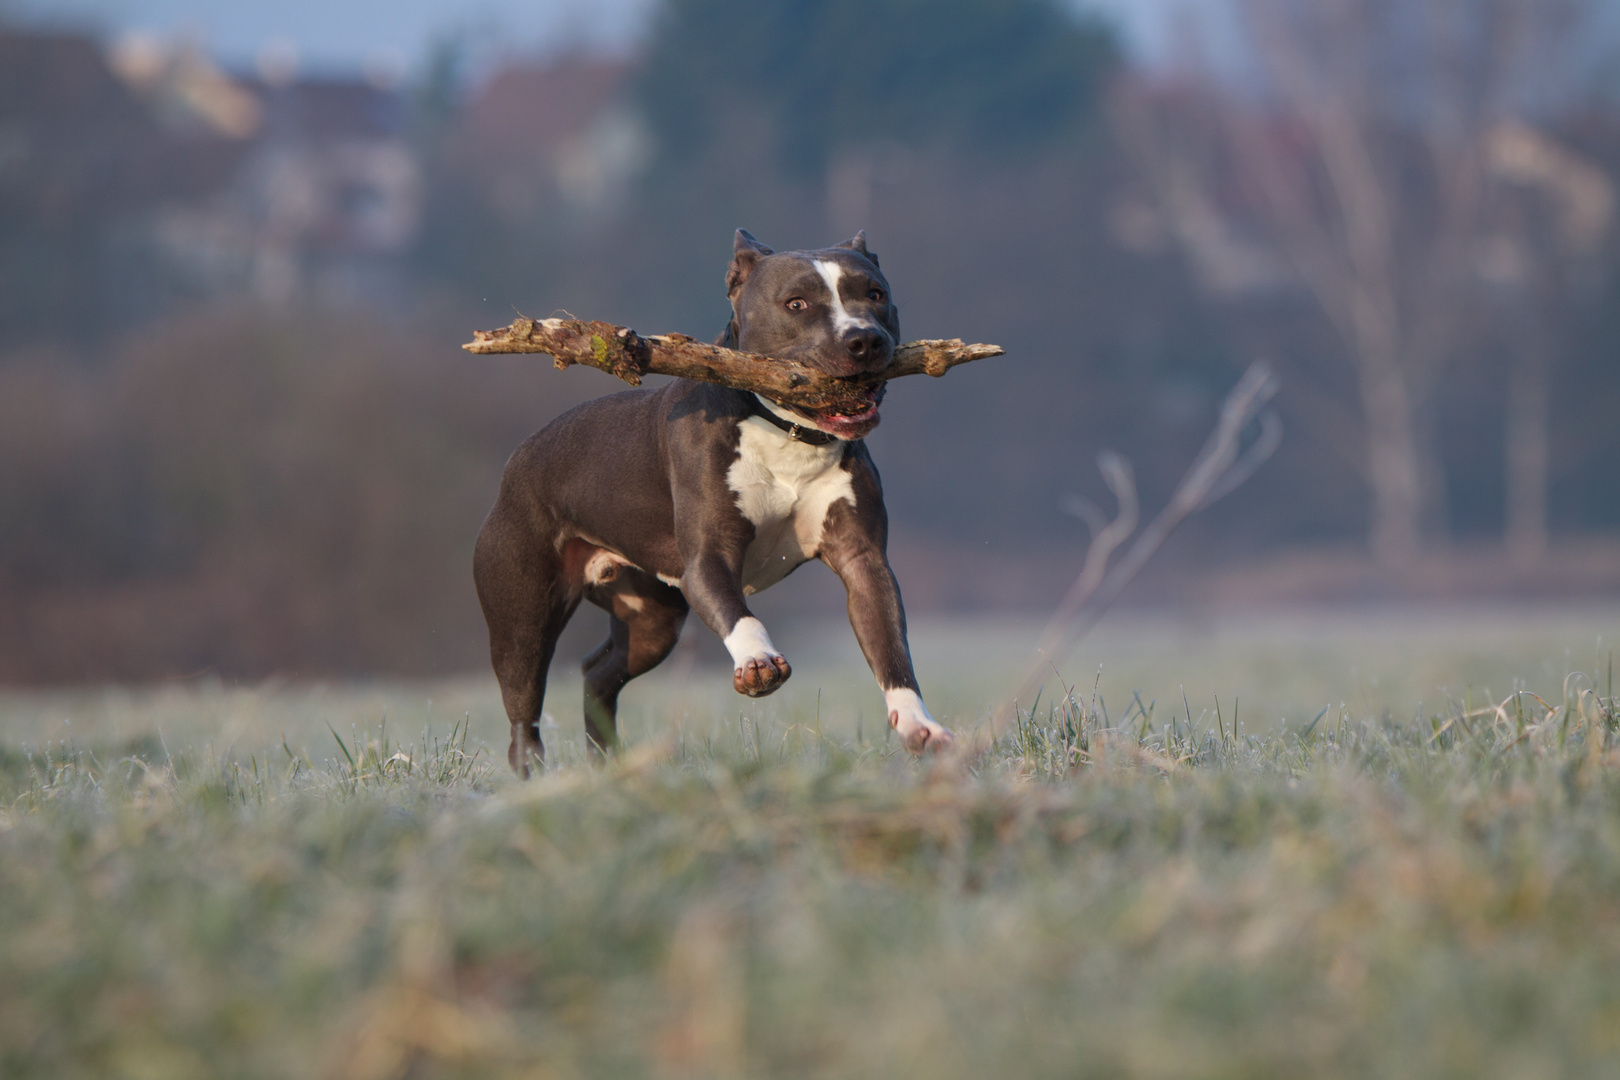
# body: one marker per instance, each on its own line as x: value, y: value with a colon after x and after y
x: 650, y: 503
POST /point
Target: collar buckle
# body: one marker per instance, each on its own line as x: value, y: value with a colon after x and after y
x: 797, y: 432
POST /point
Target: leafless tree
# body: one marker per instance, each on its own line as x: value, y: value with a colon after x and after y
x: 1551, y: 210
x: 1357, y: 170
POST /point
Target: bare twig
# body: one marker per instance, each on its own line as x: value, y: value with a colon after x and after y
x: 1218, y: 469
x: 1106, y: 536
x: 621, y: 352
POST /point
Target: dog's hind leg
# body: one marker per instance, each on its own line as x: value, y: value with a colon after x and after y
x: 528, y: 592
x: 647, y: 617
x: 606, y: 670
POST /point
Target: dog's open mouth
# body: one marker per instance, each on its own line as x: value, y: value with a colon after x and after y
x: 845, y: 422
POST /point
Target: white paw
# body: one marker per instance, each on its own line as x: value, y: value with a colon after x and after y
x: 909, y: 717
x: 759, y: 668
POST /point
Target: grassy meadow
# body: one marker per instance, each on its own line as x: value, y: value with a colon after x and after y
x: 1342, y: 844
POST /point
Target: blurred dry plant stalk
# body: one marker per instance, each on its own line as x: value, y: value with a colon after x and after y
x: 1394, y: 164
x: 1220, y: 468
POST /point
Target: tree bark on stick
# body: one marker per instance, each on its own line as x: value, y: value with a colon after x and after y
x: 625, y: 354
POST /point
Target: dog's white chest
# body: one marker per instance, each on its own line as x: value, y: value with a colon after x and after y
x: 785, y: 488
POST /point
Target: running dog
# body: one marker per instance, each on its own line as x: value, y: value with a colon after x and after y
x: 651, y: 503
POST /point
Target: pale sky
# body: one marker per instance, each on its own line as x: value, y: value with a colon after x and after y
x: 351, y: 34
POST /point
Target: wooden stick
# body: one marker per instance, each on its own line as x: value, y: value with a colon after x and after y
x: 621, y: 352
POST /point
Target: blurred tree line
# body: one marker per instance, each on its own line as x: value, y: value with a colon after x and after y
x: 216, y: 480
x: 1412, y: 179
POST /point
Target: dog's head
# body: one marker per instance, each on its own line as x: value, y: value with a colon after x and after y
x: 827, y: 309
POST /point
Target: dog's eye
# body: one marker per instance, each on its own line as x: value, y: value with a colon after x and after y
x: 798, y: 304
x: 875, y: 295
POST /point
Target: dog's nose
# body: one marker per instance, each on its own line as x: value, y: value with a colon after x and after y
x: 866, y: 346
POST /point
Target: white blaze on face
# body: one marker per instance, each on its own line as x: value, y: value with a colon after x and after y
x: 832, y: 273
x: 749, y: 641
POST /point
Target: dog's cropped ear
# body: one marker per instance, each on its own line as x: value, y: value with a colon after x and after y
x: 745, y: 253
x: 858, y: 243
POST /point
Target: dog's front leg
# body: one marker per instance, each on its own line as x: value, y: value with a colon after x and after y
x: 713, y: 587
x: 879, y: 621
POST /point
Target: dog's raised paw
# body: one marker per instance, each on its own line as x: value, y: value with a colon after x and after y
x: 908, y: 716
x: 922, y: 736
x: 759, y: 675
